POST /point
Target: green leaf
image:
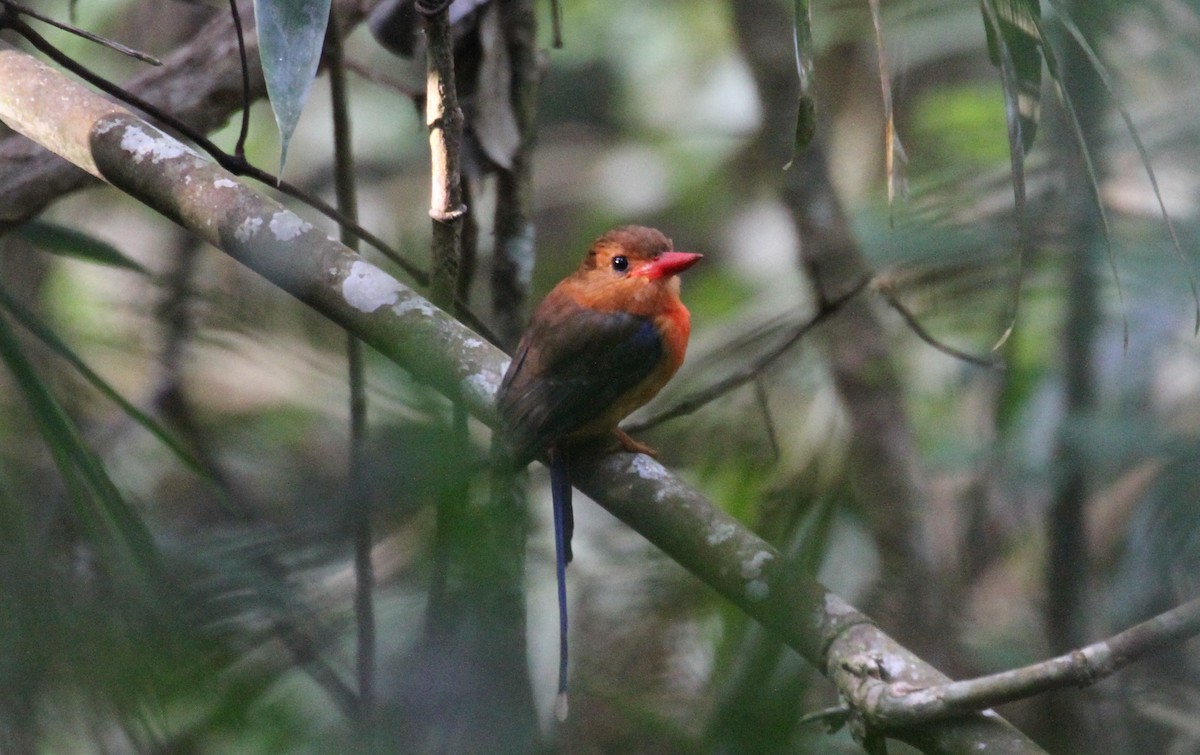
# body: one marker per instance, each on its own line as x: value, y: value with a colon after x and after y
x: 291, y: 34
x: 68, y: 242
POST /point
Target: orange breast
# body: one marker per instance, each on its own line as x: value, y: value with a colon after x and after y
x: 674, y: 325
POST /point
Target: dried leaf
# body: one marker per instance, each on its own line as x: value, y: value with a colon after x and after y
x: 496, y: 123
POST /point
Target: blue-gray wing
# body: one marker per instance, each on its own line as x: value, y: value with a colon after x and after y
x: 568, y: 369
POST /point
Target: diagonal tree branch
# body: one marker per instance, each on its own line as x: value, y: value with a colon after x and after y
x: 109, y: 142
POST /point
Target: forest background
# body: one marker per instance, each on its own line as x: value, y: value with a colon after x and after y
x: 993, y: 478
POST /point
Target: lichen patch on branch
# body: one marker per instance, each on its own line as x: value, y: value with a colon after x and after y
x: 287, y: 225
x: 247, y: 229
x: 752, y: 567
x: 367, y: 288
x: 158, y: 148
x: 721, y: 533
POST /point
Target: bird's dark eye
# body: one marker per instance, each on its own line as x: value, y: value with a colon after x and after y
x: 620, y: 263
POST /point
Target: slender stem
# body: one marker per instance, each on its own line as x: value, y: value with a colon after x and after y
x: 445, y: 121
x: 14, y: 7
x: 244, y: 132
x: 360, y: 495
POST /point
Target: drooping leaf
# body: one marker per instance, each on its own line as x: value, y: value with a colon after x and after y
x: 291, y: 34
x: 495, y: 122
x: 1143, y: 155
x: 1017, y: 32
x: 806, y: 121
x: 1010, y: 77
x: 895, y: 158
x: 69, y: 242
x: 1089, y: 167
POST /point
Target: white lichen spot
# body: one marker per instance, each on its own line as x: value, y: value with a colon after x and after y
x: 893, y: 667
x: 367, y: 288
x: 413, y: 303
x: 752, y: 567
x: 142, y: 145
x: 649, y: 469
x: 247, y: 229
x: 484, y: 384
x: 287, y: 225
x: 224, y: 183
x: 721, y: 533
x: 472, y: 343
x: 757, y: 590
x: 835, y: 606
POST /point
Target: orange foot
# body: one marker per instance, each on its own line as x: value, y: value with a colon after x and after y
x: 633, y: 446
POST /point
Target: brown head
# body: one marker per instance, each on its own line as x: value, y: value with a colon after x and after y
x: 630, y: 268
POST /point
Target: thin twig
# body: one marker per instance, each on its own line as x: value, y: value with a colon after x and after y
x: 898, y: 705
x: 375, y: 77
x: 244, y: 132
x: 760, y: 396
x: 444, y: 119
x: 889, y: 296
x: 11, y: 6
x: 359, y: 486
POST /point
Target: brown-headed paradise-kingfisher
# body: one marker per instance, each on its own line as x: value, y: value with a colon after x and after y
x: 602, y: 343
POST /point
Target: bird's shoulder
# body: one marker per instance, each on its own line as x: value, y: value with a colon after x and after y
x: 563, y: 331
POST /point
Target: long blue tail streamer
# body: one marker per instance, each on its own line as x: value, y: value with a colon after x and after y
x: 564, y: 526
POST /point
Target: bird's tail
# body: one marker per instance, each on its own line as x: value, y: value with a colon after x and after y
x: 564, y: 528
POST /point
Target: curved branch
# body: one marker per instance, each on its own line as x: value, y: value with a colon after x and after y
x: 898, y: 704
x: 885, y: 289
